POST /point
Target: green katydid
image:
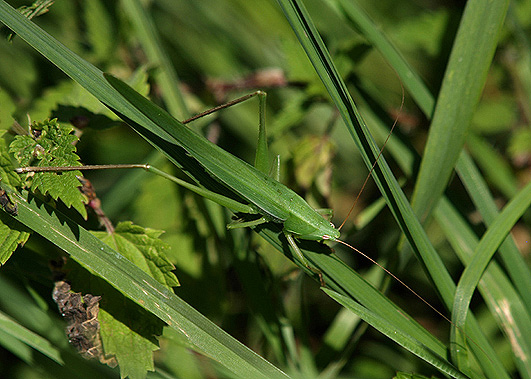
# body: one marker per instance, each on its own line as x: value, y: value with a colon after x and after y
x: 265, y: 196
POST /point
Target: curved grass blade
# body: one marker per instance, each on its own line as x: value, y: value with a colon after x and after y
x: 485, y: 250
x: 463, y: 83
x: 498, y: 291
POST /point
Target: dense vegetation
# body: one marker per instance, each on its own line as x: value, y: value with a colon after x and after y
x: 460, y: 152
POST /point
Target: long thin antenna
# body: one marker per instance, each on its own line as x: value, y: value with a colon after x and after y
x: 413, y: 292
x: 398, y: 280
x: 376, y: 160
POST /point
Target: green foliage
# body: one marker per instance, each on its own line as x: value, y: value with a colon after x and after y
x: 12, y: 233
x: 51, y: 144
x: 143, y: 247
x: 133, y: 351
x: 240, y: 281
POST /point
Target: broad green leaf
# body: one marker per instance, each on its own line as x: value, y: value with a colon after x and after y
x: 133, y: 351
x: 143, y: 247
x: 68, y: 99
x: 141, y: 288
x: 12, y: 235
x: 130, y: 338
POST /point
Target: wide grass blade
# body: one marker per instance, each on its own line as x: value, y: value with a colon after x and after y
x: 465, y: 77
x: 485, y: 250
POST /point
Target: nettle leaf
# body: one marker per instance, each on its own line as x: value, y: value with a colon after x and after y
x: 127, y: 333
x: 8, y: 175
x: 143, y: 247
x: 51, y: 144
x: 12, y: 233
x: 133, y: 351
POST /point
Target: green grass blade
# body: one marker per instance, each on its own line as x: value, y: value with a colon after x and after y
x: 494, y: 168
x: 462, y: 85
x: 397, y: 335
x: 484, y: 202
x: 165, y: 74
x: 487, y: 247
x: 497, y: 290
x: 14, y: 329
x: 342, y: 279
x: 411, y: 80
x: 388, y: 185
x: 134, y: 283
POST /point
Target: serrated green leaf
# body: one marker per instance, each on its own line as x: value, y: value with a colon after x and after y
x: 67, y: 93
x: 52, y: 144
x: 12, y: 234
x: 7, y: 170
x: 133, y: 352
x: 143, y: 247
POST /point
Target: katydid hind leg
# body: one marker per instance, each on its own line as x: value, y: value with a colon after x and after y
x: 262, y: 152
x: 261, y: 161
